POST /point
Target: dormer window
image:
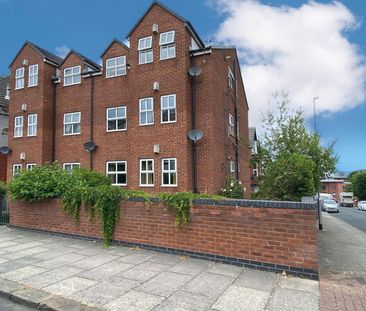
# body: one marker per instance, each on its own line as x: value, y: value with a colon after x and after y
x: 167, y: 46
x: 33, y: 75
x: 19, y: 78
x: 116, y: 66
x: 72, y: 75
x: 145, y: 50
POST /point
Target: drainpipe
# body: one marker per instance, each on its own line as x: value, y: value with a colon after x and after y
x: 236, y: 124
x: 54, y: 79
x: 194, y: 150
x: 91, y: 120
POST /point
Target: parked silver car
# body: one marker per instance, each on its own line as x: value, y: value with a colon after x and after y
x: 331, y: 206
x: 362, y: 205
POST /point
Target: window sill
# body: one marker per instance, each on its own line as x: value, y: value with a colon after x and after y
x: 72, y: 134
x: 31, y: 135
x: 116, y: 76
x: 147, y: 186
x: 113, y: 131
x: 146, y: 124
x: 66, y: 85
x: 169, y: 186
x: 30, y: 86
x: 168, y: 122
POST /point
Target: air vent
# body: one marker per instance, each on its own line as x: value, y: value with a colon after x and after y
x: 156, y: 86
x: 155, y: 28
x: 156, y: 148
x: 22, y: 156
x: 24, y: 107
x: 25, y: 62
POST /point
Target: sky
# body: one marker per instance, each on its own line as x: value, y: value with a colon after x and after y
x: 307, y: 49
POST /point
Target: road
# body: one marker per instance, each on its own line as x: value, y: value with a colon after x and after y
x: 9, y: 305
x: 353, y: 216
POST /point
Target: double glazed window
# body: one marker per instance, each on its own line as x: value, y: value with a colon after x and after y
x: 72, y: 75
x: 32, y: 125
x: 232, y: 168
x: 231, y: 78
x: 167, y: 46
x: 169, y: 172
x: 72, y: 123
x: 33, y: 75
x: 71, y: 166
x: 145, y: 50
x: 117, y: 172
x: 168, y: 108
x: 16, y: 169
x: 18, y: 126
x: 146, y: 111
x: 30, y: 166
x: 116, y: 66
x: 231, y: 128
x: 19, y: 78
x: 116, y: 119
x: 147, y: 172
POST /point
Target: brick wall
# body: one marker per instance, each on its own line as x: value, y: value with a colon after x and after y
x: 277, y: 236
x: 3, y: 166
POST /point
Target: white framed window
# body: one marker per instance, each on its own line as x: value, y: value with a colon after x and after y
x: 117, y: 172
x: 231, y: 128
x: 147, y: 111
x: 19, y: 78
x: 32, y: 125
x: 33, y: 75
x: 116, y: 66
x: 232, y: 168
x: 116, y: 119
x: 169, y: 172
x: 147, y: 172
x: 70, y: 166
x: 18, y: 126
x: 16, y: 169
x: 231, y: 78
x: 167, y: 46
x: 168, y: 109
x: 30, y: 166
x: 72, y: 123
x: 72, y: 75
x: 145, y: 50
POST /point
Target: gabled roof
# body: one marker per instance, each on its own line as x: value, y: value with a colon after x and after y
x: 84, y: 59
x: 112, y: 42
x: 186, y: 22
x: 4, y: 103
x: 52, y: 58
x: 252, y: 136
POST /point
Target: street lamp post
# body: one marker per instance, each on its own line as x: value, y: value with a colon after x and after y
x: 317, y: 168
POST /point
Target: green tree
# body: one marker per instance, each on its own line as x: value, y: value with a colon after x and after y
x: 359, y: 184
x: 286, y: 138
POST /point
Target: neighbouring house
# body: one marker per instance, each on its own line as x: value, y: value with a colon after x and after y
x: 254, y: 165
x: 334, y: 184
x: 4, y: 122
x: 131, y: 117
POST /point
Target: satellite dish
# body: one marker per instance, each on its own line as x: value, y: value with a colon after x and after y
x: 195, y: 135
x: 90, y: 146
x: 5, y: 150
x: 195, y: 71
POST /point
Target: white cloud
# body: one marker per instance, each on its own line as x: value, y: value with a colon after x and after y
x: 303, y: 51
x: 62, y: 51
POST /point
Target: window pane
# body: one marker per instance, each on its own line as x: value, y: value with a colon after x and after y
x: 172, y: 165
x: 121, y: 112
x: 110, y: 62
x: 111, y: 167
x: 148, y: 43
x: 172, y: 115
x: 111, y: 72
x: 67, y: 118
x: 111, y: 113
x: 150, y: 117
x: 68, y: 129
x: 143, y: 117
x: 150, y: 165
x: 171, y: 101
x: 68, y: 80
x: 121, y: 167
x: 166, y: 178
x: 148, y: 104
x: 166, y: 165
x: 149, y: 56
x: 165, y: 115
x: 122, y: 179
x: 121, y: 71
x: 143, y: 179
x: 112, y: 125
x: 150, y: 178
x: 77, y: 79
x: 143, y: 165
x: 173, y: 178
x: 164, y: 53
x: 76, y: 128
x: 76, y: 117
x: 122, y: 125
x: 76, y: 70
x: 120, y: 61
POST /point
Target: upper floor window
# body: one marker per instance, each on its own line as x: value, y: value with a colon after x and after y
x: 145, y: 50
x: 231, y: 125
x: 72, y: 123
x: 167, y: 46
x: 116, y: 66
x: 18, y: 126
x: 231, y: 78
x: 32, y: 125
x: 33, y: 75
x: 19, y: 78
x: 16, y: 169
x: 72, y: 75
x: 169, y: 172
x: 146, y: 111
x: 70, y: 166
x: 232, y: 168
x: 117, y: 172
x: 147, y: 172
x: 30, y: 166
x: 116, y: 119
x: 168, y: 108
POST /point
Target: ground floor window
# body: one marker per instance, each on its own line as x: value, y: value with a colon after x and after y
x: 117, y: 172
x: 232, y: 168
x: 71, y: 166
x: 169, y: 172
x: 16, y: 169
x: 31, y: 166
x: 147, y: 172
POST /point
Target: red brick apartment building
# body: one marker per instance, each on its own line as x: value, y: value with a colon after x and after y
x: 135, y: 110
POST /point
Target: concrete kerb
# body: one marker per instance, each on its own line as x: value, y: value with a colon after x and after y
x: 40, y: 299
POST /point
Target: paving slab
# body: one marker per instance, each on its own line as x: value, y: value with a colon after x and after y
x: 69, y: 286
x: 257, y: 279
x: 190, y: 266
x: 299, y: 284
x: 105, y: 271
x: 94, y: 261
x: 22, y: 273
x: 7, y: 287
x: 224, y: 269
x: 237, y: 298
x: 134, y: 301
x: 60, y: 261
x: 30, y: 296
x: 137, y: 257
x: 137, y: 274
x: 209, y: 284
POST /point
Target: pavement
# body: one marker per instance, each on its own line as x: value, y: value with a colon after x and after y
x: 51, y: 272
x: 342, y: 261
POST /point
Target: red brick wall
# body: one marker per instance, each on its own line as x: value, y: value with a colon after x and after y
x: 3, y: 166
x: 281, y: 236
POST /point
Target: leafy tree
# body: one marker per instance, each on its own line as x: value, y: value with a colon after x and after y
x: 359, y: 184
x: 286, y: 138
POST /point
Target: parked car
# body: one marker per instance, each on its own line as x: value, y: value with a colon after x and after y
x: 362, y: 205
x: 330, y: 206
x: 346, y: 199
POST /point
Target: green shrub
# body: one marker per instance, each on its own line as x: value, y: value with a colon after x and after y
x: 89, y: 178
x: 3, y: 188
x: 232, y: 189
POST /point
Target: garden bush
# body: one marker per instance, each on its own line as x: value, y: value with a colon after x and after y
x: 232, y: 189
